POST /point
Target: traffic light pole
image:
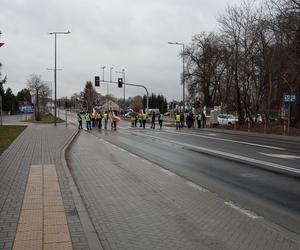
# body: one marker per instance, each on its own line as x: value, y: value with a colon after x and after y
x: 135, y: 85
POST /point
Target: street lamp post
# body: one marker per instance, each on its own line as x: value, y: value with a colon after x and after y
x: 52, y: 82
x: 55, y: 34
x: 183, y: 80
x: 103, y: 67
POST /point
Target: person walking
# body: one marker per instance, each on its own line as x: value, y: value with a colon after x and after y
x: 99, y: 120
x: 113, y: 121
x: 135, y: 119
x: 88, y: 119
x: 203, y: 119
x: 181, y: 119
x: 79, y: 119
x: 153, y: 120
x: 105, y: 116
x: 199, y: 118
x: 94, y: 115
x: 140, y: 118
x: 145, y: 117
x: 132, y: 119
x: 178, y: 121
x: 160, y: 120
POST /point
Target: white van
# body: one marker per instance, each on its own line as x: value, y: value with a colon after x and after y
x: 150, y: 111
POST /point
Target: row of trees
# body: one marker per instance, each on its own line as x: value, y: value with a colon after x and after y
x: 250, y: 62
x: 89, y: 98
x: 37, y: 93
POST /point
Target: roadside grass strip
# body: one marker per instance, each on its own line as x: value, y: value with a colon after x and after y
x: 243, y: 211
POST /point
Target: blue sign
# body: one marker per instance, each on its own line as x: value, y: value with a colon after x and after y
x: 289, y: 98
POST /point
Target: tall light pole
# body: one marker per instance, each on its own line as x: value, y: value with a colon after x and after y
x: 183, y: 81
x: 55, y: 33
x: 103, y: 67
x: 123, y: 76
x: 52, y: 81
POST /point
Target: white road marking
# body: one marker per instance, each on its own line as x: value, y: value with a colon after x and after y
x: 212, y: 134
x: 288, y: 157
x: 243, y: 211
x: 147, y: 162
x: 230, y: 155
x: 197, y: 187
x: 133, y: 155
x: 167, y: 172
x: 228, y: 140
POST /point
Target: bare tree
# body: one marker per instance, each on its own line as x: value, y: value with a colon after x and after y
x: 39, y: 90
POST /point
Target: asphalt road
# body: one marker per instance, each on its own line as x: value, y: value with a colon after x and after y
x: 260, y: 174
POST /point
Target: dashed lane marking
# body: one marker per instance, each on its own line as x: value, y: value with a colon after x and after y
x: 243, y: 211
x: 197, y: 187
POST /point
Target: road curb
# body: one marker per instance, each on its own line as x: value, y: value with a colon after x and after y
x: 87, y: 225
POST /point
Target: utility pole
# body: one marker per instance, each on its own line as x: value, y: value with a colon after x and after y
x: 183, y: 72
x: 55, y: 69
x: 1, y: 85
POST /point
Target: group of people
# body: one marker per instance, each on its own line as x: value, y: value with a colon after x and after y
x: 97, y: 119
x: 190, y: 120
x: 142, y: 118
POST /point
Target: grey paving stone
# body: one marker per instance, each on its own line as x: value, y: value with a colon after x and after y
x: 38, y: 144
x: 134, y: 206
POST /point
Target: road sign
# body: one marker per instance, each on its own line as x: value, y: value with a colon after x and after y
x: 289, y: 98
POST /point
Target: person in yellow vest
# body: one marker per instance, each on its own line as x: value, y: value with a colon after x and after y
x: 132, y: 119
x: 88, y: 119
x: 199, y: 118
x: 105, y: 117
x: 145, y: 117
x: 140, y: 119
x: 177, y: 121
x: 160, y: 120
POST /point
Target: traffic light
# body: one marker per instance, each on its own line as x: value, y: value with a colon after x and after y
x: 120, y: 82
x: 97, y: 81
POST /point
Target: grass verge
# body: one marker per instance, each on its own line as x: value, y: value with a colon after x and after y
x: 8, y: 134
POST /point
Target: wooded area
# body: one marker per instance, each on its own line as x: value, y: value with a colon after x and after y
x: 250, y: 63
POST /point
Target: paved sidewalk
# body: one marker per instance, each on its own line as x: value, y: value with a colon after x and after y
x: 135, y: 204
x: 32, y: 213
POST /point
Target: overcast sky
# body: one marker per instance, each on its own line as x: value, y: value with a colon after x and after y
x: 129, y: 34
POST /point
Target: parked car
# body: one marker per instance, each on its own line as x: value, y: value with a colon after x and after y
x: 227, y: 119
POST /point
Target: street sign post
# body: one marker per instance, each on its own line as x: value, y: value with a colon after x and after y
x: 289, y: 99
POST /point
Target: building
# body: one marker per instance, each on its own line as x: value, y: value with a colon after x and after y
x: 110, y: 105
